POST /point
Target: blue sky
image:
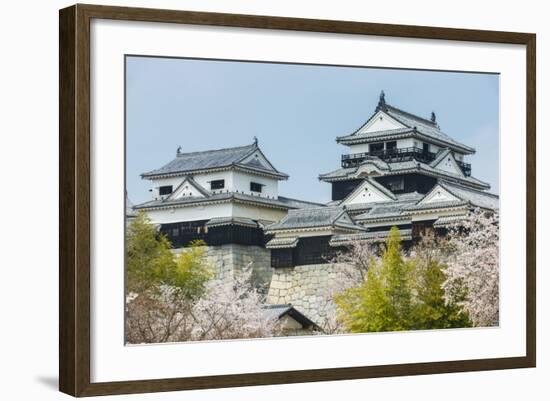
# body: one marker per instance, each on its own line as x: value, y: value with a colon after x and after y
x: 296, y: 111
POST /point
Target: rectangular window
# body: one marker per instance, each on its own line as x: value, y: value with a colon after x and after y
x: 217, y: 184
x: 425, y: 147
x: 391, y: 145
x: 376, y: 147
x: 396, y: 184
x: 255, y: 187
x: 165, y: 190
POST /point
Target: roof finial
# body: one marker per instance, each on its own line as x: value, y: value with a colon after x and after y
x: 255, y: 138
x: 432, y: 118
x: 178, y: 152
x: 381, y: 101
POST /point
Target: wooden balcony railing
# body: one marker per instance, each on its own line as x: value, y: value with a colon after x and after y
x: 389, y: 155
x: 398, y: 155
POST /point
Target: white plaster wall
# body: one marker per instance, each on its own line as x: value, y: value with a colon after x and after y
x: 191, y: 213
x: 360, y: 148
x: 235, y: 181
x: 258, y: 213
x: 290, y: 233
x: 201, y: 179
x: 206, y: 212
x: 449, y: 165
x: 241, y: 183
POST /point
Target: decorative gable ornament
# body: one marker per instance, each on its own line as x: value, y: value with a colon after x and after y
x: 369, y: 191
x: 188, y: 188
x: 438, y: 194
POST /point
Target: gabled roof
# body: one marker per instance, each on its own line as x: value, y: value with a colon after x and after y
x: 316, y: 217
x: 219, y: 159
x: 440, y: 156
x: 413, y: 125
x: 231, y: 221
x: 389, y: 210
x: 407, y: 167
x: 478, y: 198
x: 369, y: 182
x: 445, y: 160
x: 194, y: 184
x: 282, y: 243
x: 277, y: 311
x: 457, y: 196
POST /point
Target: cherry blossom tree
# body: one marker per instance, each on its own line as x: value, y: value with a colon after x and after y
x: 232, y: 309
x: 174, y: 298
x: 351, y: 268
x: 473, y: 265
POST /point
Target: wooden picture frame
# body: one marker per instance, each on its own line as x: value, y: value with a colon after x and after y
x: 74, y: 201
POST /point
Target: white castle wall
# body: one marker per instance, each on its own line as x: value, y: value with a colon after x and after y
x: 206, y: 212
x: 235, y: 181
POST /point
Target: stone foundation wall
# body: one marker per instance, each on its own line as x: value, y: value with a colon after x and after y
x: 306, y: 287
x: 226, y: 259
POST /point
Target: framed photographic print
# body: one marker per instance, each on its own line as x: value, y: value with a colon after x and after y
x: 250, y: 200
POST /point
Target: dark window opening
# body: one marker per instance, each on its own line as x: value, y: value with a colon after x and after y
x: 165, y: 190
x: 425, y: 147
x: 217, y: 184
x: 391, y: 145
x: 396, y: 183
x: 376, y: 147
x: 255, y: 187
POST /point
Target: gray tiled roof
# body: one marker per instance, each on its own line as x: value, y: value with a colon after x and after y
x: 281, y: 202
x: 187, y: 163
x: 328, y: 216
x: 482, y: 199
x: 446, y: 220
x: 374, y: 236
x: 235, y: 221
x: 284, y: 242
x: 277, y: 311
x: 414, y: 124
x: 384, y: 210
x: 436, y: 205
x: 405, y: 167
x: 465, y: 196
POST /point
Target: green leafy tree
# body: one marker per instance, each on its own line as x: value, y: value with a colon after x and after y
x: 148, y: 256
x: 383, y: 301
x: 400, y: 294
x: 150, y: 263
x: 431, y: 310
x: 161, y: 286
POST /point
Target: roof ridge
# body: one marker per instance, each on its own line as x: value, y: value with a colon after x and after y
x: 414, y: 116
x: 444, y: 183
x: 253, y: 145
x: 304, y: 201
x: 439, y: 157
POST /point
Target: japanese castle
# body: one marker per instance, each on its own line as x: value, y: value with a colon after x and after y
x: 400, y: 170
